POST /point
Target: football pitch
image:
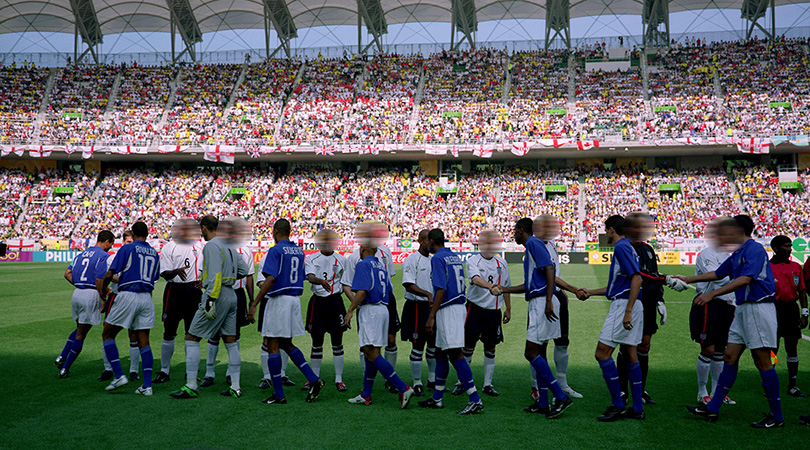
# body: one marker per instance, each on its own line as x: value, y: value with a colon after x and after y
x: 42, y: 411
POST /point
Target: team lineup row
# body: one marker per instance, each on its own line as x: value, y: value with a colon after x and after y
x: 210, y: 288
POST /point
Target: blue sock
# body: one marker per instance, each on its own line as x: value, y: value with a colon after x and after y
x: 636, y: 390
x: 368, y: 379
x: 147, y: 360
x: 75, y: 349
x: 387, y: 371
x: 770, y: 381
x: 68, y: 345
x: 298, y: 359
x: 724, y: 382
x: 544, y: 373
x: 111, y: 351
x: 542, y: 399
x: 274, y: 364
x: 465, y: 376
x: 611, y: 376
x: 442, y: 370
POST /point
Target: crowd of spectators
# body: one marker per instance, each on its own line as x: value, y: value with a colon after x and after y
x: 51, y: 214
x: 609, y: 192
x: 15, y: 185
x: 21, y: 92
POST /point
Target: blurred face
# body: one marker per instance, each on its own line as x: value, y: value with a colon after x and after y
x: 235, y: 230
x: 326, y: 241
x: 729, y: 238
x: 550, y: 229
x: 185, y: 230
x: 489, y: 243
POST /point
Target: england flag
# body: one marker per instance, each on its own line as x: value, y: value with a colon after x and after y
x: 219, y: 153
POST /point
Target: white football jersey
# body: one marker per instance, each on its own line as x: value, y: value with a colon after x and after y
x: 175, y: 255
x: 247, y: 257
x: 551, y: 246
x: 113, y: 285
x: 416, y: 270
x: 383, y: 254
x: 493, y: 270
x: 708, y: 260
x: 326, y: 267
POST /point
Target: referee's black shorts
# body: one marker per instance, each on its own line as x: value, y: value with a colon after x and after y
x: 180, y: 302
x: 787, y: 320
x: 709, y: 323
x: 325, y: 315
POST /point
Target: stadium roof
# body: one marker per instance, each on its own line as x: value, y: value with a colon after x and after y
x: 119, y: 16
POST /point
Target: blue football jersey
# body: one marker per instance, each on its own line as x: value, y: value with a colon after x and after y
x: 371, y: 275
x: 138, y: 267
x: 750, y: 260
x: 534, y: 262
x: 88, y: 266
x: 448, y: 273
x: 622, y: 268
x: 285, y: 263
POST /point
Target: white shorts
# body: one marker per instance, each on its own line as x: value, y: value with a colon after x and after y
x: 540, y: 329
x: 86, y: 306
x: 613, y: 332
x: 224, y: 324
x: 754, y: 326
x: 133, y: 311
x: 372, y: 325
x: 450, y: 327
x: 282, y: 317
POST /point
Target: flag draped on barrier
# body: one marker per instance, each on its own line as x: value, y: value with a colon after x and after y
x: 219, y: 153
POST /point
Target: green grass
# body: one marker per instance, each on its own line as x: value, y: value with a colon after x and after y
x: 42, y: 411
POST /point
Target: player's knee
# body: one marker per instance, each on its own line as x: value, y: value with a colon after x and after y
x: 169, y: 337
x: 468, y: 352
x: 391, y: 348
x: 489, y: 354
x: 337, y: 350
x: 430, y: 352
x: 561, y: 341
x: 416, y: 355
x: 316, y: 353
x: 317, y: 340
x: 214, y: 342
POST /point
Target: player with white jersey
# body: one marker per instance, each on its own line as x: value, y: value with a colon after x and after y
x: 181, y: 266
x: 137, y: 267
x: 284, y: 282
x: 134, y: 352
x: 326, y: 310
x: 380, y: 233
x: 484, y: 317
x: 239, y: 288
x: 85, y: 274
x: 418, y: 300
x: 216, y: 315
x: 709, y: 323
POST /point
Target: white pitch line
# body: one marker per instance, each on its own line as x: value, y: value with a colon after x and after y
x: 805, y: 337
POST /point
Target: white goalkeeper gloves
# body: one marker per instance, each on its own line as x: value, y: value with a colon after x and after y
x: 210, y: 309
x: 662, y: 311
x: 677, y: 284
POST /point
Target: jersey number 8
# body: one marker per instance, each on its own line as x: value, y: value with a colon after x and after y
x: 294, y: 264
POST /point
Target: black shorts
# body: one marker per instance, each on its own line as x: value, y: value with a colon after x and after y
x: 325, y: 314
x: 180, y: 302
x: 482, y: 325
x: 260, y: 317
x: 241, y: 308
x: 563, y: 299
x: 709, y: 324
x: 650, y: 316
x: 393, y: 315
x: 787, y: 320
x: 414, y: 317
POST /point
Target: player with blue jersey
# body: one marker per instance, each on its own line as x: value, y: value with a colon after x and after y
x: 137, y: 266
x: 446, y: 319
x: 86, y: 274
x: 372, y: 288
x: 284, y: 284
x: 539, y: 277
x: 216, y: 315
x: 623, y: 324
x: 755, y: 323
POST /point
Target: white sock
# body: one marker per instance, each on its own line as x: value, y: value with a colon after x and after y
x: 192, y: 363
x: 489, y: 368
x: 717, y: 367
x: 337, y: 359
x: 363, y: 364
x: 107, y: 365
x: 431, y: 363
x: 134, y: 357
x: 561, y: 364
x: 234, y: 363
x: 416, y: 367
x: 316, y: 359
x: 211, y: 351
x: 265, y: 369
x: 285, y: 358
x: 534, y: 377
x: 704, y: 365
x: 391, y: 355
x: 166, y: 352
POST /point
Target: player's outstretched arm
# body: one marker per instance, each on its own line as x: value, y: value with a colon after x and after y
x: 358, y: 298
x: 564, y: 285
x: 519, y: 289
x: 416, y: 290
x: 312, y: 279
x: 737, y: 283
x: 708, y: 276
